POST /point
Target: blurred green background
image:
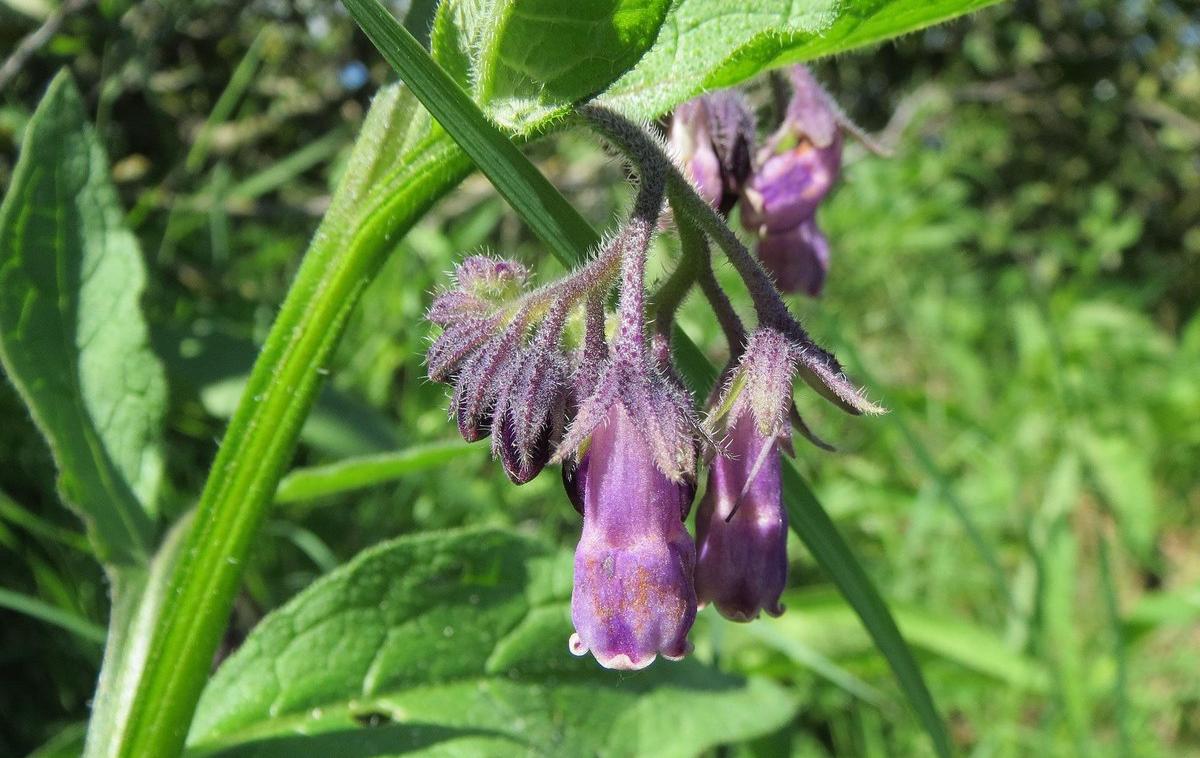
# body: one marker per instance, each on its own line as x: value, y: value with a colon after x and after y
x: 1019, y: 284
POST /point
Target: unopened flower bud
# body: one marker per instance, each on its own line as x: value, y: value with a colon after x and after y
x: 491, y: 279
x: 633, y: 597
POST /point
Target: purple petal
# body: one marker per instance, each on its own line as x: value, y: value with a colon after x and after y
x: 798, y: 258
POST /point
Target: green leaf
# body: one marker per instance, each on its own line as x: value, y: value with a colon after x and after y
x: 1121, y: 471
x: 138, y: 594
x: 72, y: 336
x: 709, y: 44
x: 809, y: 520
x: 557, y: 222
x: 458, y: 640
x: 51, y: 614
x: 367, y: 470
x: 527, y: 62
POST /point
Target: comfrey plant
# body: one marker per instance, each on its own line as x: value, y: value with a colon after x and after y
x: 607, y: 406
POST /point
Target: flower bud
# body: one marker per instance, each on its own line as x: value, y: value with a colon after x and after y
x: 529, y: 414
x: 633, y: 597
x: 495, y: 280
x: 741, y: 527
x: 797, y: 258
x: 713, y: 135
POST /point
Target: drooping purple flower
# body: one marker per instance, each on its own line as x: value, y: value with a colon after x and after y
x: 797, y: 258
x: 633, y: 597
x: 788, y: 186
x: 794, y: 172
x: 742, y: 538
x: 713, y: 136
x: 741, y: 526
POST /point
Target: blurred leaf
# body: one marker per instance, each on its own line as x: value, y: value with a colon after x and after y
x: 809, y: 520
x: 68, y: 743
x: 368, y: 470
x: 72, y: 337
x: 529, y: 61
x: 822, y: 620
x: 1122, y: 474
x: 51, y: 614
x: 458, y: 640
x: 710, y: 44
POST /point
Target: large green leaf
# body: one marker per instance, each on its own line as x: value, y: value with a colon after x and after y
x: 708, y: 44
x: 531, y: 60
x: 72, y: 337
x: 458, y: 640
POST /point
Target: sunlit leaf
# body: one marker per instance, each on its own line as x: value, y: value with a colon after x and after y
x: 458, y: 641
x: 531, y: 60
x: 72, y: 336
x: 709, y: 44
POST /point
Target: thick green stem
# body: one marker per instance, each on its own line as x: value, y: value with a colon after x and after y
x: 258, y: 445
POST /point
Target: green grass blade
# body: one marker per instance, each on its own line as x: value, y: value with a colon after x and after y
x: 367, y: 470
x: 810, y: 521
x: 51, y: 614
x: 1121, y: 680
x: 554, y: 220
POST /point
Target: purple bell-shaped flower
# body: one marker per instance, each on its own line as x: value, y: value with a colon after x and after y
x: 633, y: 598
x: 741, y: 528
x: 741, y: 525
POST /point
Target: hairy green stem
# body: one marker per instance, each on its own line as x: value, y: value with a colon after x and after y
x: 258, y: 445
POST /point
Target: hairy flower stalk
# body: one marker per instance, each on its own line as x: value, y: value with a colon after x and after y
x: 817, y: 366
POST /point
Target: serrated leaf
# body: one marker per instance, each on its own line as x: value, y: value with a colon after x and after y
x: 72, y: 336
x: 457, y: 642
x: 529, y: 61
x: 709, y: 44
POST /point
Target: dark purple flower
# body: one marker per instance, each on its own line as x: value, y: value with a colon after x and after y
x: 741, y: 538
x: 741, y: 526
x: 797, y: 258
x: 633, y: 597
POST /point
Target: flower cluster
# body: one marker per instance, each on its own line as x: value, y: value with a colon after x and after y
x: 781, y: 188
x: 606, y: 403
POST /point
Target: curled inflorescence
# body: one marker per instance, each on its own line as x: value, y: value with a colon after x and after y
x: 553, y: 377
